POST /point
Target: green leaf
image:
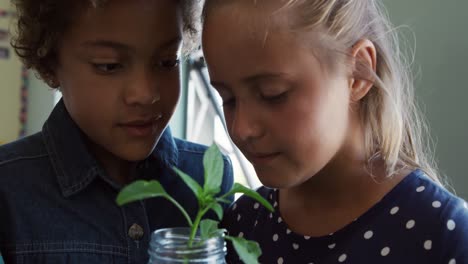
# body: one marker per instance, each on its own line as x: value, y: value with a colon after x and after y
x: 223, y: 200
x: 218, y: 209
x: 207, y: 228
x: 191, y: 183
x: 247, y: 250
x: 214, y: 167
x: 239, y: 188
x: 139, y: 190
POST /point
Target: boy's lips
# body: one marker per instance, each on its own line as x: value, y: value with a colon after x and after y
x: 141, y: 127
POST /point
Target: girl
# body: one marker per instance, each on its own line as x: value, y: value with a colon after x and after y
x: 316, y: 96
x: 116, y: 64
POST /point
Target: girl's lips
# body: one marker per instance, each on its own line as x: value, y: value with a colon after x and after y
x: 262, y: 158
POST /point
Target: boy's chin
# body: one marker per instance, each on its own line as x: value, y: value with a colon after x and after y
x: 135, y: 154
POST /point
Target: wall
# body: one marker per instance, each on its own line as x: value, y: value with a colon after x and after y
x: 10, y: 83
x: 441, y: 56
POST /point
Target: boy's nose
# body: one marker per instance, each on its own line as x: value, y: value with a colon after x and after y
x: 143, y: 89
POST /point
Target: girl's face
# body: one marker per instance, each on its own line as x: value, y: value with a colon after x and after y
x: 119, y: 76
x: 286, y: 113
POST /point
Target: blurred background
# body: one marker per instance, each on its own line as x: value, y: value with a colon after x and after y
x: 435, y: 30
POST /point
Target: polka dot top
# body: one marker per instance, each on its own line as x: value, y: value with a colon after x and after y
x: 416, y: 222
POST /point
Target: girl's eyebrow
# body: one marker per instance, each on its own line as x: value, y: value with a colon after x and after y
x: 264, y: 76
x: 255, y: 78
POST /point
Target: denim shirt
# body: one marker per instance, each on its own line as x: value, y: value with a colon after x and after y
x: 57, y: 205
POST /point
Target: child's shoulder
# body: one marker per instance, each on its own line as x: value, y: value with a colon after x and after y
x: 431, y: 195
x: 430, y: 214
x: 22, y: 150
x: 248, y: 208
x: 22, y: 160
x: 188, y: 149
x: 245, y: 202
x: 420, y: 195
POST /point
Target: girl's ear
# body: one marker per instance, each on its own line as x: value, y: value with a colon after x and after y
x: 364, y: 64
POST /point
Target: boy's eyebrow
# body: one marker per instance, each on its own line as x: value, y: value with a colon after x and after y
x: 217, y: 84
x: 123, y: 47
x: 107, y: 44
x: 172, y: 42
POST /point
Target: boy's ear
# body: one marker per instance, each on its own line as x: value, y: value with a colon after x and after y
x: 51, y: 80
x: 364, y: 64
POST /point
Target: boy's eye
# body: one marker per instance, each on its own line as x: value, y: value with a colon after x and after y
x: 229, y: 102
x: 274, y: 98
x: 107, y: 67
x: 169, y: 63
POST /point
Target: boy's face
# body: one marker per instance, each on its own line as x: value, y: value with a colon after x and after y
x: 287, y: 114
x: 119, y: 75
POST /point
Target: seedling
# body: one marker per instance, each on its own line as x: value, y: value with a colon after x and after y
x: 208, y: 199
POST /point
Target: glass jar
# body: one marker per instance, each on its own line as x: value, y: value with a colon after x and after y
x: 170, y: 245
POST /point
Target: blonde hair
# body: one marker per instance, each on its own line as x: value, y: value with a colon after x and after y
x: 394, y: 128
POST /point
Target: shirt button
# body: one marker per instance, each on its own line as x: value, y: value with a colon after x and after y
x: 135, y: 232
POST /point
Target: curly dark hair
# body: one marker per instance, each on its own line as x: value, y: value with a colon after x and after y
x: 42, y: 23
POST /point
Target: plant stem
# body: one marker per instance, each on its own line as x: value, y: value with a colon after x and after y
x: 196, y: 223
x: 182, y: 210
x: 194, y: 228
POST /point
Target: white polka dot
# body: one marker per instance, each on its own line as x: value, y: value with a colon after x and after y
x: 452, y: 261
x: 436, y: 204
x: 295, y: 246
x: 385, y: 251
x: 238, y: 217
x: 271, y: 215
x: 420, y: 188
x: 394, y: 210
x: 234, y: 206
x: 279, y: 220
x: 240, y: 234
x: 368, y: 234
x: 331, y: 234
x: 342, y: 258
x: 271, y: 196
x: 410, y: 224
x: 332, y: 246
x: 256, y: 222
x: 275, y: 237
x: 256, y: 205
x: 280, y: 260
x: 275, y: 204
x: 307, y: 237
x: 427, y: 245
x: 451, y: 225
x: 288, y: 231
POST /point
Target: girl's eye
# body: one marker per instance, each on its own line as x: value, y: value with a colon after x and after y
x: 107, y: 68
x: 169, y: 64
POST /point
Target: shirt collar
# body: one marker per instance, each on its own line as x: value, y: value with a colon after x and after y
x: 74, y: 166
